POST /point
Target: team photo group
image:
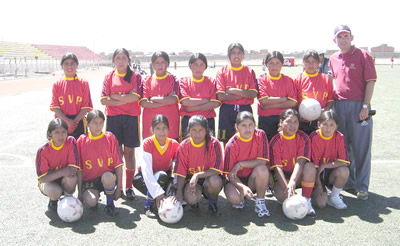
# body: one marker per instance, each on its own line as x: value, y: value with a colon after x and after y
x: 312, y: 132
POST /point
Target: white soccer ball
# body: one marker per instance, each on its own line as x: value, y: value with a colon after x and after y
x: 170, y: 212
x: 70, y: 209
x: 295, y: 207
x: 310, y: 109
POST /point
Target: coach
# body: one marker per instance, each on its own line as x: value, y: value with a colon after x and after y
x: 354, y: 76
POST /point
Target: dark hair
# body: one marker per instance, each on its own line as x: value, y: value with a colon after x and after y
x: 202, y: 121
x: 157, y: 119
x: 162, y: 54
x: 54, y: 124
x: 235, y: 45
x: 95, y: 114
x: 274, y: 54
x: 286, y: 114
x: 196, y: 56
x: 71, y: 56
x: 244, y: 115
x: 328, y: 115
x: 311, y: 53
x: 128, y: 74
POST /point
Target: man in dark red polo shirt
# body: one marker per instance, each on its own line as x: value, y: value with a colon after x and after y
x: 354, y: 75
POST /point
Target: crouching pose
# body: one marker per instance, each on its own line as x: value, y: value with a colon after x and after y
x: 199, y: 165
x: 246, y: 159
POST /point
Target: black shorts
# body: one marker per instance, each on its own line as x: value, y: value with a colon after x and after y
x: 199, y: 181
x: 94, y: 184
x: 269, y: 124
x: 184, y: 125
x: 287, y: 177
x: 125, y: 128
x: 227, y: 120
x: 80, y: 129
x: 308, y: 127
x: 140, y: 185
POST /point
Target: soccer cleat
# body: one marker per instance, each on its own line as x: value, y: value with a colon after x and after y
x: 213, y: 209
x: 269, y: 192
x: 130, y: 194
x: 362, y: 195
x: 261, y: 208
x: 239, y: 206
x: 53, y: 205
x: 149, y: 213
x: 336, y: 202
x: 311, y: 210
x: 110, y: 210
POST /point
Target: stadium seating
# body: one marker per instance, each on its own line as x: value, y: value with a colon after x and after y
x: 57, y: 51
x: 19, y: 50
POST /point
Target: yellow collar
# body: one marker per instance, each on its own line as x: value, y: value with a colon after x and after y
x: 162, y: 77
x: 119, y: 74
x: 197, y: 145
x: 236, y: 68
x: 323, y: 137
x: 96, y: 138
x: 55, y: 147
x: 198, y: 80
x: 245, y: 140
x: 311, y: 75
x: 158, y: 146
x: 287, y: 137
x: 275, y: 78
x: 69, y: 78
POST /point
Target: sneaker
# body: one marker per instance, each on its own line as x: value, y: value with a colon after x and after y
x: 261, y: 208
x: 53, y: 205
x: 362, y: 195
x: 239, y: 206
x: 110, y: 210
x: 269, y: 192
x: 130, y: 194
x: 311, y: 210
x: 149, y: 213
x: 336, y: 202
x: 213, y: 209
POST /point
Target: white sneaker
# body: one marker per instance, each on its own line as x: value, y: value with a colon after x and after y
x: 261, y: 208
x: 336, y: 202
x: 311, y: 210
x: 239, y: 206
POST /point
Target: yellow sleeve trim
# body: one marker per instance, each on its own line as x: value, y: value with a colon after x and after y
x: 292, y: 99
x: 253, y: 90
x: 42, y: 175
x: 272, y: 167
x: 304, y: 158
x: 133, y: 93
x: 261, y: 98
x: 117, y: 166
x: 106, y: 97
x: 220, y: 92
x: 264, y: 159
x: 216, y: 170
x: 347, y: 162
x: 183, y: 99
x: 180, y: 175
x: 73, y: 165
x: 143, y: 99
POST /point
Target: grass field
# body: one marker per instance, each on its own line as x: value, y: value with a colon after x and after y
x: 26, y: 221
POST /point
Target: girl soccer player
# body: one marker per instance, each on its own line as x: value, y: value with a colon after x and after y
x: 246, y: 159
x: 199, y: 165
x: 330, y: 155
x: 290, y: 159
x: 236, y: 89
x: 156, y: 158
x: 57, y: 163
x: 311, y: 84
x: 121, y: 93
x: 71, y: 97
x: 198, y: 94
x: 100, y: 163
x: 275, y: 94
x: 160, y: 96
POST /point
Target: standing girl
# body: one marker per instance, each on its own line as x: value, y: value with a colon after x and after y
x: 276, y: 93
x: 71, y: 97
x: 158, y: 153
x: 121, y: 93
x: 198, y: 94
x: 57, y: 163
x: 329, y: 154
x: 160, y: 96
x: 100, y: 163
x: 199, y: 165
x: 311, y: 84
x: 246, y: 159
x: 290, y: 159
x: 236, y: 89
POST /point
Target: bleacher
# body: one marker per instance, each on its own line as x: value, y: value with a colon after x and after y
x: 57, y: 51
x: 21, y: 50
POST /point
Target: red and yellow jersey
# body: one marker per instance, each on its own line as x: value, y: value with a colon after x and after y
x: 318, y: 86
x: 281, y: 86
x: 285, y: 151
x: 240, y: 78
x: 71, y: 95
x: 52, y: 158
x: 239, y: 149
x: 328, y: 149
x: 114, y: 83
x: 154, y: 86
x: 98, y: 154
x: 162, y: 157
x: 192, y: 158
x: 191, y: 88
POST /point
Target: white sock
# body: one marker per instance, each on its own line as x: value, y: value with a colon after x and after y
x: 336, y: 191
x: 259, y: 199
